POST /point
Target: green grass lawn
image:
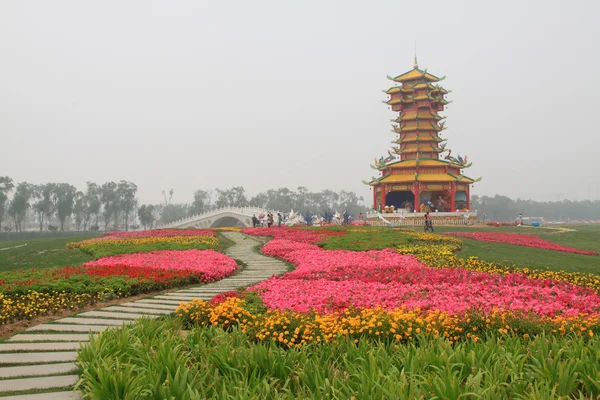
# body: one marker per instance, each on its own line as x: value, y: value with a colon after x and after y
x: 41, y: 253
x: 585, y: 237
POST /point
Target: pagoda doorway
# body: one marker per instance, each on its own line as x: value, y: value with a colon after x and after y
x: 461, y: 201
x: 436, y: 200
x: 399, y: 200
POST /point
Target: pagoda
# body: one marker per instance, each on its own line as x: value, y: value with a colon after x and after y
x: 413, y: 175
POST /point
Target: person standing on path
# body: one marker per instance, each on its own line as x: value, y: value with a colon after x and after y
x: 279, y: 219
x: 428, y: 223
x: 254, y: 221
x: 269, y: 220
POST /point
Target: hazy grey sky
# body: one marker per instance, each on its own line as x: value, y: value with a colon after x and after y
x: 265, y: 94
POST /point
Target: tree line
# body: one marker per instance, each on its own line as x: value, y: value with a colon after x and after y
x: 114, y: 205
x: 301, y: 201
x: 502, y: 208
x: 58, y: 202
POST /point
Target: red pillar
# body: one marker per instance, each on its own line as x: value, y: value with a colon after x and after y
x: 417, y: 192
x: 452, y: 196
x: 383, y: 193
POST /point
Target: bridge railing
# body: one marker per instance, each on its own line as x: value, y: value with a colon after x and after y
x: 247, y: 211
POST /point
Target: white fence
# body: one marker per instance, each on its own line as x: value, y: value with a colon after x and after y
x: 416, y: 219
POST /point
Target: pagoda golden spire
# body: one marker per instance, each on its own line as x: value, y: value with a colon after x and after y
x: 416, y: 64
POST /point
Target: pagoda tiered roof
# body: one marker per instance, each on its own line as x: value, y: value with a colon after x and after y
x: 423, y: 127
x: 415, y: 74
x: 423, y: 177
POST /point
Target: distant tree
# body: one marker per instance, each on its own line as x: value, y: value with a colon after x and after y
x: 91, y: 203
x: 146, y: 215
x: 6, y: 186
x: 64, y: 194
x: 301, y: 199
x: 169, y: 212
x: 45, y: 205
x: 79, y: 209
x: 173, y: 212
x: 233, y: 197
x: 20, y: 203
x: 108, y: 199
x: 201, y: 202
x: 126, y: 199
x: 351, y: 202
x: 260, y: 200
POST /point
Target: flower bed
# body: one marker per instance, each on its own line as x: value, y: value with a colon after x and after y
x: 519, y: 240
x: 157, y: 233
x: 327, y: 281
x: 208, y: 264
x: 419, y: 286
x: 296, y: 329
x: 28, y: 293
x: 495, y: 223
x: 296, y: 235
x: 145, y: 241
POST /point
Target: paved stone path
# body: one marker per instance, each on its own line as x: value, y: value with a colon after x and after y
x: 43, y: 357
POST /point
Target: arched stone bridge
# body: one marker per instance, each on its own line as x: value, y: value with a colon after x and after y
x: 228, y: 216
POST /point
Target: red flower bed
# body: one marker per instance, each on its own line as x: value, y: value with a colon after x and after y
x: 330, y: 280
x: 494, y: 223
x: 520, y: 240
x: 211, y: 264
x: 296, y: 235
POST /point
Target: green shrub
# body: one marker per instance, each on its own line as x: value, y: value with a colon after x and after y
x: 155, y: 359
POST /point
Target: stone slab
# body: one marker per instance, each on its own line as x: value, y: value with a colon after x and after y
x: 39, y: 346
x: 46, y: 382
x: 47, y: 396
x: 27, y: 358
x: 177, y: 294
x: 237, y: 281
x: 108, y: 314
x: 36, y: 370
x: 181, y: 298
x: 68, y: 328
x: 158, y: 301
x: 200, y: 291
x: 258, y: 261
x: 93, y: 321
x: 139, y: 310
x: 151, y: 305
x: 191, y: 295
x: 50, y: 337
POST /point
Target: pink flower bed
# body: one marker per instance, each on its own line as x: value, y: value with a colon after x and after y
x: 211, y: 264
x: 297, y: 235
x: 329, y: 280
x: 519, y: 240
x: 157, y: 233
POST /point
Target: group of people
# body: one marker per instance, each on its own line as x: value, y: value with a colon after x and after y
x: 429, y: 206
x: 268, y: 220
